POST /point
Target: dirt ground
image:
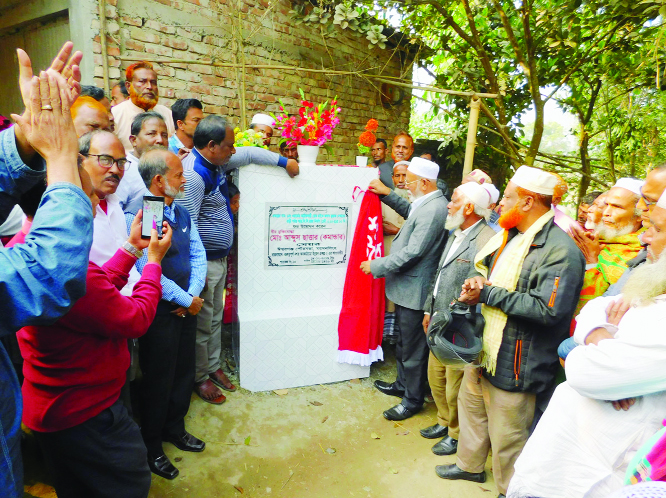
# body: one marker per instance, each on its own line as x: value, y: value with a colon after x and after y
x: 320, y: 441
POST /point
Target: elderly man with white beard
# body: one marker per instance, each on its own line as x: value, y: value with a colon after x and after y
x: 467, y: 218
x: 614, y: 399
x: 617, y: 242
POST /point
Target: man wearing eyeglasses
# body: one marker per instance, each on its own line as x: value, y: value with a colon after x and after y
x: 103, y: 157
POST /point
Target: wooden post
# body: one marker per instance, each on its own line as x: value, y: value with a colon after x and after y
x: 102, y: 41
x: 474, y: 105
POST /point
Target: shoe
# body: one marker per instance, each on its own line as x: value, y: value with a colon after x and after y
x: 447, y: 446
x: 162, y: 466
x: 186, y: 442
x: 454, y: 472
x: 434, y: 431
x: 220, y: 378
x: 209, y: 392
x: 388, y: 388
x: 399, y: 412
x: 501, y: 496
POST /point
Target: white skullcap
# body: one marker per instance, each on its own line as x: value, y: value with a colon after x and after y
x: 492, y: 190
x: 406, y: 163
x: 263, y: 119
x: 662, y: 201
x: 535, y: 180
x: 630, y: 184
x: 423, y: 168
x: 475, y: 193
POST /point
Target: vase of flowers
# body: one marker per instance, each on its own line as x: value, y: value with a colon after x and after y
x: 310, y: 129
x: 365, y: 141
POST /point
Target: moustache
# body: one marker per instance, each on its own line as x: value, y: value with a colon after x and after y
x: 113, y: 176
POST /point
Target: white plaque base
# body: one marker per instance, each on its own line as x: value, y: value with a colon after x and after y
x: 289, y: 318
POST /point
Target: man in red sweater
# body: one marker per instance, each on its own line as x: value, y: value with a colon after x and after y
x: 75, y: 368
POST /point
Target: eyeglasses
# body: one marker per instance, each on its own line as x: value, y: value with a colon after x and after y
x: 106, y: 161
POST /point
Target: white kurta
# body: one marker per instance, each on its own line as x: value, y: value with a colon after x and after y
x: 582, y: 445
x: 125, y: 112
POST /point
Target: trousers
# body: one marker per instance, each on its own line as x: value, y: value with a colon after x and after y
x: 445, y: 383
x: 209, y: 321
x: 411, y: 355
x: 166, y: 356
x: 492, y: 418
x: 104, y: 457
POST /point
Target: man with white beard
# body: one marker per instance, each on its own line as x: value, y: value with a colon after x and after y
x: 607, y: 255
x: 408, y: 271
x: 614, y: 399
x: 166, y: 352
x: 467, y: 218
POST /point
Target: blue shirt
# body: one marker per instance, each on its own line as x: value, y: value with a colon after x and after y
x: 170, y: 290
x: 175, y: 144
x: 39, y: 281
x: 207, y: 201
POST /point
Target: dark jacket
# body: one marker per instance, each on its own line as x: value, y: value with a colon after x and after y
x: 539, y: 311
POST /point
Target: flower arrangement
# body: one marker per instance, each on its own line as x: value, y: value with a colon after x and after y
x: 367, y: 138
x: 248, y: 138
x: 313, y: 125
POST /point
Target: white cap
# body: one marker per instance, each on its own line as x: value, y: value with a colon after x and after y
x: 406, y: 163
x: 475, y: 193
x: 535, y: 180
x: 423, y: 168
x: 492, y: 190
x: 630, y: 184
x: 662, y: 201
x: 263, y: 119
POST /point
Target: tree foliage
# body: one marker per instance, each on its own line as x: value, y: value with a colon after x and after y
x: 606, y: 55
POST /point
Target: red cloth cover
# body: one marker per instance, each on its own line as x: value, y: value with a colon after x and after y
x: 361, y: 323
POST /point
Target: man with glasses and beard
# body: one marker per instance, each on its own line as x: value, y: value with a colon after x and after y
x: 142, y: 86
x: 528, y: 280
x: 467, y: 218
x: 614, y: 398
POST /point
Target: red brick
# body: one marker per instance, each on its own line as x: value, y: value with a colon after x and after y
x: 134, y: 45
x: 144, y: 35
x: 174, y: 42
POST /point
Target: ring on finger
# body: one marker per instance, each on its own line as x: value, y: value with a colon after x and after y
x: 47, y: 107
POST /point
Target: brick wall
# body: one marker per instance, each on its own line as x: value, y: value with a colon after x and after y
x: 203, y: 30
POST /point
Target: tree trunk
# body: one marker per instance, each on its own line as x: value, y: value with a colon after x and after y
x: 538, y: 132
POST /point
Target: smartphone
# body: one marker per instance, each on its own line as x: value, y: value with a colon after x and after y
x: 153, y: 215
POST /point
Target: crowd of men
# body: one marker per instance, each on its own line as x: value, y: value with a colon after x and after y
x: 89, y: 301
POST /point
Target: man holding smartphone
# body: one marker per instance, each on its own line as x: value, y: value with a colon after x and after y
x: 166, y: 352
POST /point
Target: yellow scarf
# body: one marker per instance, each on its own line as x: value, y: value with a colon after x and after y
x: 505, y: 276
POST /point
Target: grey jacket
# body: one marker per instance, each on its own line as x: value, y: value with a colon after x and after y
x: 415, y: 250
x: 455, y: 272
x: 254, y: 155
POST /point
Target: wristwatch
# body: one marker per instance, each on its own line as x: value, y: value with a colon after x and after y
x: 137, y: 253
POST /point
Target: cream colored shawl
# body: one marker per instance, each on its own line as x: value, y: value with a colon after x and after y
x: 506, y: 276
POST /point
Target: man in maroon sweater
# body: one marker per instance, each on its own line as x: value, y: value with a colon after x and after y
x: 75, y: 368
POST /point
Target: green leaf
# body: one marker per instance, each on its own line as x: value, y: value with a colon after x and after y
x: 247, y: 441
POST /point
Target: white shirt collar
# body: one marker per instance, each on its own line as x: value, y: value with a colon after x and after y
x: 463, y: 233
x: 417, y: 202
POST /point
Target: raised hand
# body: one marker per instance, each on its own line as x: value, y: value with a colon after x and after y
x: 47, y: 128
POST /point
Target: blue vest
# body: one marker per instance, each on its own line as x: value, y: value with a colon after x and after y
x: 176, y: 262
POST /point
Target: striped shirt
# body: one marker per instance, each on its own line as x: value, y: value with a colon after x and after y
x: 207, y: 204
x: 171, y: 291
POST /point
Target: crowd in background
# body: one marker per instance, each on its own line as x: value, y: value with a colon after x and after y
x: 563, y: 389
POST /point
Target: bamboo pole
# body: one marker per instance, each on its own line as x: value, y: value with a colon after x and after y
x: 102, y: 41
x: 435, y: 89
x: 378, y: 77
x: 474, y: 105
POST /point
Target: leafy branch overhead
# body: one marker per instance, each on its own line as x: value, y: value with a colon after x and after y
x: 576, y: 53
